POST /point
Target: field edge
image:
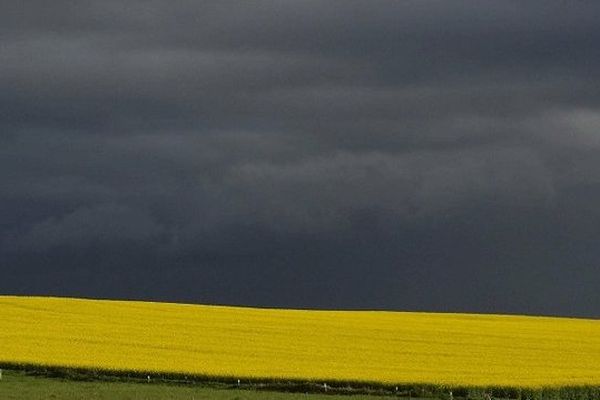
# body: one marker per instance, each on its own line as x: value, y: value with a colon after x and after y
x: 408, y: 390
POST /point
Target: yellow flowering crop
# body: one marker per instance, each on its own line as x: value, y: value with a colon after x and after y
x: 375, y: 346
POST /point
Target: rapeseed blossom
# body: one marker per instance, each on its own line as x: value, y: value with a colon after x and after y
x: 237, y: 342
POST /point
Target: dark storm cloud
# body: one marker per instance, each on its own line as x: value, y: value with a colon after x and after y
x: 434, y: 155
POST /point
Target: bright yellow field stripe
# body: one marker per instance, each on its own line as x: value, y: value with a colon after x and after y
x: 374, y: 346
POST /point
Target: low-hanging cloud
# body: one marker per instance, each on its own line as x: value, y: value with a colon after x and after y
x: 99, y: 226
x: 321, y: 193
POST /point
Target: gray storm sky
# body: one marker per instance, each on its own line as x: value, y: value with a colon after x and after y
x: 406, y: 155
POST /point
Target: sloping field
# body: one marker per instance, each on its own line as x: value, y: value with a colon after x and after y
x: 384, y: 347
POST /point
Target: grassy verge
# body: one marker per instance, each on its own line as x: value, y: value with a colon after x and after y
x: 19, y: 385
x: 31, y: 382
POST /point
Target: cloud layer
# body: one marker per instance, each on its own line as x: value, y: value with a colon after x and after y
x: 426, y: 155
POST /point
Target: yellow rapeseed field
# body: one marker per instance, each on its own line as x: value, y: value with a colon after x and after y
x: 374, y: 346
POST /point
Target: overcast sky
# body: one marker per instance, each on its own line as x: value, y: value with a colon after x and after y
x: 406, y: 155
